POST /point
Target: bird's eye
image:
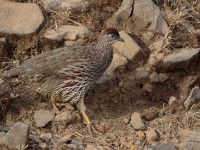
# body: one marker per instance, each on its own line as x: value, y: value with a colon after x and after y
x: 111, y: 35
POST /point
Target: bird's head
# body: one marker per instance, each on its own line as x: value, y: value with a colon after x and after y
x: 111, y: 35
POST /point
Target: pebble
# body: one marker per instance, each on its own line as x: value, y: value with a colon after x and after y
x: 163, y: 77
x: 152, y: 136
x: 91, y: 147
x: 136, y: 121
x: 148, y: 87
x: 172, y: 101
x: 126, y: 120
x: 150, y: 114
x: 43, y: 145
x: 43, y: 117
x: 66, y: 138
x: 46, y: 136
x: 154, y: 77
x: 140, y: 135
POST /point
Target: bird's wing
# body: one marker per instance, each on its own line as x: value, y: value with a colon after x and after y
x: 52, y: 62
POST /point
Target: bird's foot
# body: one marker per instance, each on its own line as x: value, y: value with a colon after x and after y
x: 91, y: 129
x: 53, y: 102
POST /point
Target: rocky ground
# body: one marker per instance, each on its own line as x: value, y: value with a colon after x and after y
x: 148, y: 97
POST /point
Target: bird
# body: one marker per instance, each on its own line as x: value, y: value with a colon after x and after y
x: 67, y: 73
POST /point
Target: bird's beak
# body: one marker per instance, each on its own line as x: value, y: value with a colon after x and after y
x: 121, y: 39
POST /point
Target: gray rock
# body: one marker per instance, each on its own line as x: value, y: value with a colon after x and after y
x: 154, y: 77
x: 136, y: 121
x: 193, y: 142
x: 43, y: 145
x: 132, y: 18
x: 42, y: 117
x: 130, y: 48
x: 164, y: 146
x: 17, y: 136
x: 182, y: 59
x: 192, y: 98
x: 18, y: 18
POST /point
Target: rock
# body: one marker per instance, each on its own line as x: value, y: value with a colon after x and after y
x: 152, y: 136
x: 126, y: 120
x: 183, y: 59
x: 64, y: 116
x: 111, y: 138
x: 164, y: 146
x: 154, y: 77
x: 136, y: 121
x: 18, y: 18
x: 17, y: 136
x: 46, y: 136
x: 91, y: 147
x: 102, y: 126
x: 163, y: 77
x: 192, y: 142
x: 140, y: 135
x: 68, y: 32
x: 77, y: 5
x: 43, y: 117
x: 184, y: 134
x: 172, y: 101
x: 118, y: 62
x: 130, y: 49
x: 72, y: 146
x: 66, y: 138
x: 132, y: 18
x: 148, y: 87
x: 141, y: 74
x: 43, y: 145
x: 192, y: 98
x: 150, y: 114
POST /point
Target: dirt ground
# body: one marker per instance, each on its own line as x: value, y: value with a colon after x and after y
x: 109, y: 106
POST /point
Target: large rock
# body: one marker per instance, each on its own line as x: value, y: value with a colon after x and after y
x: 17, y: 136
x: 183, y: 59
x: 18, y: 18
x: 129, y: 48
x: 132, y: 18
x: 164, y: 146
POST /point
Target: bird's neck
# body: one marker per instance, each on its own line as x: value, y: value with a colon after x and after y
x: 104, y: 46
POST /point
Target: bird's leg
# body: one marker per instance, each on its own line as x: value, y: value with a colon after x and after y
x: 53, y: 103
x: 81, y: 107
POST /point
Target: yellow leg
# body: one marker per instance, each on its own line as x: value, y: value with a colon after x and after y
x: 87, y: 122
x: 53, y: 103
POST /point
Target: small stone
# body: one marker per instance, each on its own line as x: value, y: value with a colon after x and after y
x: 148, y: 87
x: 43, y: 145
x: 64, y: 116
x: 150, y: 114
x: 154, y: 78
x: 172, y: 101
x: 46, y: 136
x: 138, y: 142
x: 164, y: 146
x: 66, y: 138
x: 17, y: 136
x: 72, y: 146
x: 136, y: 121
x: 140, y: 135
x: 102, y: 127
x: 163, y: 77
x: 152, y: 136
x: 126, y: 120
x: 141, y: 74
x: 125, y: 145
x: 43, y: 117
x: 91, y: 147
x: 192, y: 98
